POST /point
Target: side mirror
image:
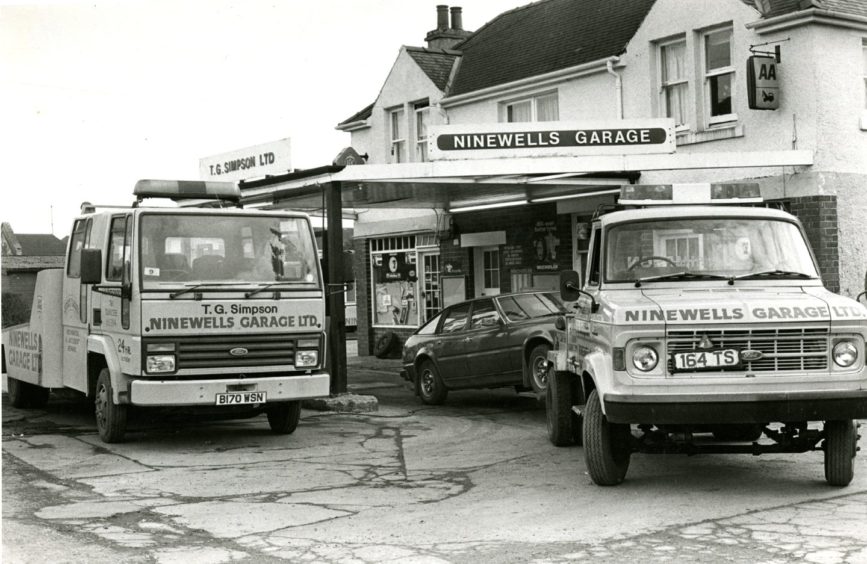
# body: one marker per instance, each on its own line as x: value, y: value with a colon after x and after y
x: 91, y: 266
x: 569, y: 290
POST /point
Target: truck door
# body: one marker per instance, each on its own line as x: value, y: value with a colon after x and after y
x: 117, y: 291
x: 76, y: 308
x: 592, y: 284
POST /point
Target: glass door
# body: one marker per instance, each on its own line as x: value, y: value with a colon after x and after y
x: 430, y: 290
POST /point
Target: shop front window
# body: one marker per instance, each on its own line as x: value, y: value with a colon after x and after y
x: 395, y: 282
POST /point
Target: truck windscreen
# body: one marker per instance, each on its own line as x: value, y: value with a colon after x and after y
x: 709, y: 247
x: 177, y: 249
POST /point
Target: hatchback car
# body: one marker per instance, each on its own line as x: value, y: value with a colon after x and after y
x: 487, y: 342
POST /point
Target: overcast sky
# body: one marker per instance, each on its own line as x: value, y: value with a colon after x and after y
x: 96, y: 95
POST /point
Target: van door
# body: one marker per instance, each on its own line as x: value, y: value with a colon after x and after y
x: 76, y: 308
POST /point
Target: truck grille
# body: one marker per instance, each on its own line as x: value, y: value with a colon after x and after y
x: 782, y: 349
x: 213, y: 351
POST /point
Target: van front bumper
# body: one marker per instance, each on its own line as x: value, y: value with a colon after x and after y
x: 672, y: 409
x: 204, y: 392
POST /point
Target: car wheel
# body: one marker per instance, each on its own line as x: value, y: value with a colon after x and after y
x: 537, y: 364
x: 26, y: 395
x: 606, y: 445
x: 110, y: 416
x: 283, y: 417
x: 841, y: 439
x: 747, y: 432
x: 431, y: 389
x: 564, y: 425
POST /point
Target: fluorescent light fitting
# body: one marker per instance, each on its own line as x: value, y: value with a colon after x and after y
x: 488, y: 206
x: 570, y: 196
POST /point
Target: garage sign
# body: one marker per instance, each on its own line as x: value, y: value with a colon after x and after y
x: 763, y: 84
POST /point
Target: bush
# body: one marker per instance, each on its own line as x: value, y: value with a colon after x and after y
x: 16, y: 310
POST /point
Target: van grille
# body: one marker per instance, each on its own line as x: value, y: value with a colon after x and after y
x: 213, y: 351
x: 782, y: 349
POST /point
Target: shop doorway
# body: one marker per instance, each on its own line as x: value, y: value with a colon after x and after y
x: 487, y: 271
x: 430, y: 284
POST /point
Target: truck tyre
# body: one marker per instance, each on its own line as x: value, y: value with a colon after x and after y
x: 283, y: 417
x: 26, y: 395
x: 110, y: 416
x: 746, y: 432
x: 564, y: 425
x: 537, y: 365
x: 606, y: 445
x: 431, y: 389
x: 840, y: 446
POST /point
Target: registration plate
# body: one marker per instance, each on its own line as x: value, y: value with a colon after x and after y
x: 240, y: 398
x: 703, y: 360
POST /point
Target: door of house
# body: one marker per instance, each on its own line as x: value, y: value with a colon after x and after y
x: 487, y: 271
x: 429, y: 276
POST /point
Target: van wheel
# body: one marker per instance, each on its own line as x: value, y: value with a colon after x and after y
x: 26, y: 395
x: 283, y: 417
x: 537, y: 364
x: 431, y: 389
x: 384, y: 345
x: 606, y: 445
x: 564, y: 425
x: 110, y: 416
x: 840, y: 446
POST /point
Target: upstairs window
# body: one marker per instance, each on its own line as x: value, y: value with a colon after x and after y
x: 544, y: 107
x: 398, y: 136
x: 422, y: 115
x: 674, y: 82
x: 719, y: 76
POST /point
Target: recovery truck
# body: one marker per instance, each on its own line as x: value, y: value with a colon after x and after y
x: 178, y: 306
x: 704, y: 328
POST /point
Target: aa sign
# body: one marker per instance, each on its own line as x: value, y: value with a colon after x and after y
x: 763, y: 83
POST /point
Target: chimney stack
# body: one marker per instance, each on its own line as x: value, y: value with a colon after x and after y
x: 457, y: 20
x: 443, y: 17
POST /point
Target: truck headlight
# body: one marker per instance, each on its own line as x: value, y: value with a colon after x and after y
x: 845, y: 354
x: 644, y: 358
x: 306, y: 359
x: 160, y: 363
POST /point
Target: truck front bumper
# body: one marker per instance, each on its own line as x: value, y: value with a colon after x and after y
x: 204, y: 392
x: 735, y: 408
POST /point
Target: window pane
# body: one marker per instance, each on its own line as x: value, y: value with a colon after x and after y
x: 456, y: 319
x: 547, y: 108
x: 673, y: 62
x: 73, y: 269
x: 518, y: 112
x: 717, y: 49
x: 115, y: 249
x: 484, y: 315
x: 720, y: 95
x: 675, y: 103
x: 397, y: 125
x: 421, y: 118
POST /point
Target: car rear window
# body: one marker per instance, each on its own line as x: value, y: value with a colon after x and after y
x: 456, y: 319
x: 530, y: 306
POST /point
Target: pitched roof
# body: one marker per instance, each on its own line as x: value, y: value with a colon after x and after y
x: 360, y: 115
x: 39, y: 245
x: 546, y: 36
x: 436, y: 63
x: 782, y: 7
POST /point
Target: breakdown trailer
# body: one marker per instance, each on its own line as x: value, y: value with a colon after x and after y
x: 703, y: 326
x: 217, y: 308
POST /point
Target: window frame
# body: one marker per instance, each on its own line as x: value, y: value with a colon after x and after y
x: 666, y: 86
x: 421, y: 122
x: 109, y: 276
x: 708, y: 75
x: 397, y: 117
x: 533, y: 100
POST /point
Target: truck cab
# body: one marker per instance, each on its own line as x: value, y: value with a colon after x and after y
x: 704, y: 326
x: 180, y: 306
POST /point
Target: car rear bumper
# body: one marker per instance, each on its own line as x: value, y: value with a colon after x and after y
x: 204, y: 392
x: 735, y: 408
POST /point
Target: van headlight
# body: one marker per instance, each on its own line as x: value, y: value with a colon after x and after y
x: 306, y: 359
x: 160, y: 363
x: 845, y: 354
x: 644, y: 358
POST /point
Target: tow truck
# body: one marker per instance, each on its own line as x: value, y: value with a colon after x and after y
x: 703, y: 326
x: 212, y: 309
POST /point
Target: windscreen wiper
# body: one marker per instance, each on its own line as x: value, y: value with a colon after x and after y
x: 195, y: 287
x: 252, y: 293
x: 685, y: 275
x: 772, y: 273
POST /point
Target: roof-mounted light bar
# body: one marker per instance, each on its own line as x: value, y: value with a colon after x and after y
x: 187, y: 190
x: 704, y: 193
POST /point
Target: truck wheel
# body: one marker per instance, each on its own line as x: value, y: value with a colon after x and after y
x: 840, y: 446
x: 110, y: 416
x: 747, y: 432
x: 564, y: 425
x: 431, y: 389
x: 606, y: 445
x: 26, y: 395
x: 537, y: 364
x: 283, y: 417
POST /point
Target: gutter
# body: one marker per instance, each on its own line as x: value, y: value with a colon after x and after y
x: 534, y: 82
x: 811, y: 16
x: 618, y: 86
x: 353, y: 125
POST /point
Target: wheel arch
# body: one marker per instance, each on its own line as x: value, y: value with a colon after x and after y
x: 100, y: 353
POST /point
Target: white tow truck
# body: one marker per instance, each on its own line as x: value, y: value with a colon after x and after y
x: 178, y: 306
x: 704, y: 328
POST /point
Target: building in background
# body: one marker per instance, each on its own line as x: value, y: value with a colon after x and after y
x: 23, y: 256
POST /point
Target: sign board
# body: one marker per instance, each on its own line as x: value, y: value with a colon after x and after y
x: 551, y: 138
x: 763, y: 86
x: 252, y: 162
